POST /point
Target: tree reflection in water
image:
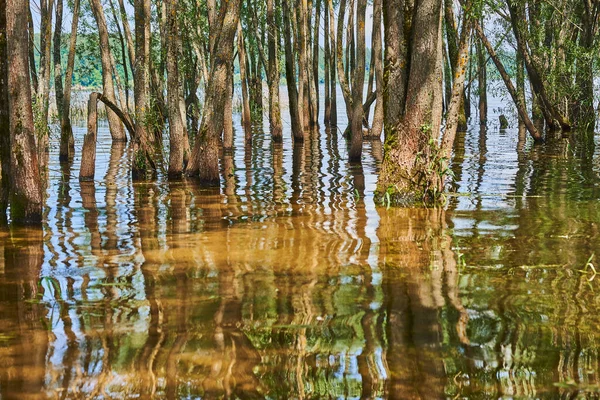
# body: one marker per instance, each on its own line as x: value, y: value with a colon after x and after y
x: 288, y: 282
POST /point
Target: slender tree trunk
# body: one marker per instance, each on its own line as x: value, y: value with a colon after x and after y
x: 453, y: 45
x: 520, y: 91
x: 377, y: 54
x: 303, y: 65
x: 274, y: 108
x: 290, y: 76
x: 358, y: 84
x: 332, y: 64
x: 204, y: 162
x: 26, y: 189
x: 174, y: 95
x: 246, y: 115
x: 315, y: 59
x: 228, y: 110
x: 43, y: 94
x: 58, y: 85
x: 128, y: 35
x: 67, y: 142
x: 482, y: 83
x: 521, y: 108
x: 31, y: 48
x: 327, y: 64
x: 116, y: 128
x: 340, y: 56
x: 124, y: 62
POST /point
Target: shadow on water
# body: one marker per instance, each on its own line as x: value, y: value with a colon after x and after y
x: 289, y: 282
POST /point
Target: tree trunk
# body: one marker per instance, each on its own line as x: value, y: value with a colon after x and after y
x: 273, y: 72
x: 4, y: 118
x: 358, y: 84
x: 482, y: 83
x: 315, y: 61
x: 377, y: 54
x: 303, y: 76
x: 204, y: 162
x: 396, y: 65
x: 116, y: 128
x: 246, y: 115
x: 521, y: 108
x: 141, y: 165
x: 31, y: 48
x: 128, y: 35
x: 228, y: 110
x: 327, y: 61
x: 58, y: 86
x: 290, y: 76
x: 520, y: 92
x: 42, y: 102
x: 88, y: 151
x: 25, y: 191
x: 174, y: 95
x: 67, y: 142
x: 340, y: 56
x: 332, y: 65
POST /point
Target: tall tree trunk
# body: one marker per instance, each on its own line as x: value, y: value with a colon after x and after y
x: 290, y: 76
x: 396, y: 65
x: 31, y: 48
x: 377, y: 54
x: 327, y: 64
x: 124, y: 63
x: 26, y: 189
x: 315, y: 59
x: 303, y: 73
x: 4, y: 118
x: 67, y: 142
x: 340, y: 56
x: 58, y: 85
x: 332, y: 64
x: 128, y: 35
x: 174, y: 95
x: 482, y: 83
x: 453, y: 45
x: 273, y: 72
x: 117, y: 131
x: 42, y: 102
x: 204, y: 162
x: 246, y: 115
x: 358, y: 84
x: 141, y: 166
x: 228, y: 110
x: 520, y: 92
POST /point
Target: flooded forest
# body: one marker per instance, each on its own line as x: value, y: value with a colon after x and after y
x: 299, y: 199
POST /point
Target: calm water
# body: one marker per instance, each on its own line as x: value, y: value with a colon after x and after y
x: 289, y: 282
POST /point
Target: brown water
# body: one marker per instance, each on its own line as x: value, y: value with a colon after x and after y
x: 289, y: 282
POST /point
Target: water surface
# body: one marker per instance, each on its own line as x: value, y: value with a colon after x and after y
x: 288, y: 281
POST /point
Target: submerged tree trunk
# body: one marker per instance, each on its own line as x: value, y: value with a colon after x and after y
x: 327, y: 63
x: 67, y: 142
x: 246, y: 115
x: 358, y: 83
x: 377, y: 54
x: 204, y: 162
x: 141, y: 166
x: 174, y: 95
x: 116, y: 128
x: 290, y: 76
x: 25, y: 184
x: 273, y: 72
x: 88, y: 151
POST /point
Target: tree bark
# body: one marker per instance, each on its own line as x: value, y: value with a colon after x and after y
x: 43, y: 93
x: 482, y: 83
x: 358, y: 84
x: 58, y: 85
x: 273, y: 72
x: 204, y: 162
x: 116, y: 128
x: 67, y: 142
x: 332, y: 65
x: 377, y: 54
x: 246, y: 114
x: 290, y: 76
x: 25, y: 191
x: 88, y: 151
x: 340, y: 56
x: 4, y: 118
x: 174, y: 95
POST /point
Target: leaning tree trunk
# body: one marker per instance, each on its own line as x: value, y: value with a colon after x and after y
x: 116, y: 128
x: 358, y: 83
x: 25, y: 184
x: 204, y: 162
x: 67, y: 142
x: 176, y: 123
